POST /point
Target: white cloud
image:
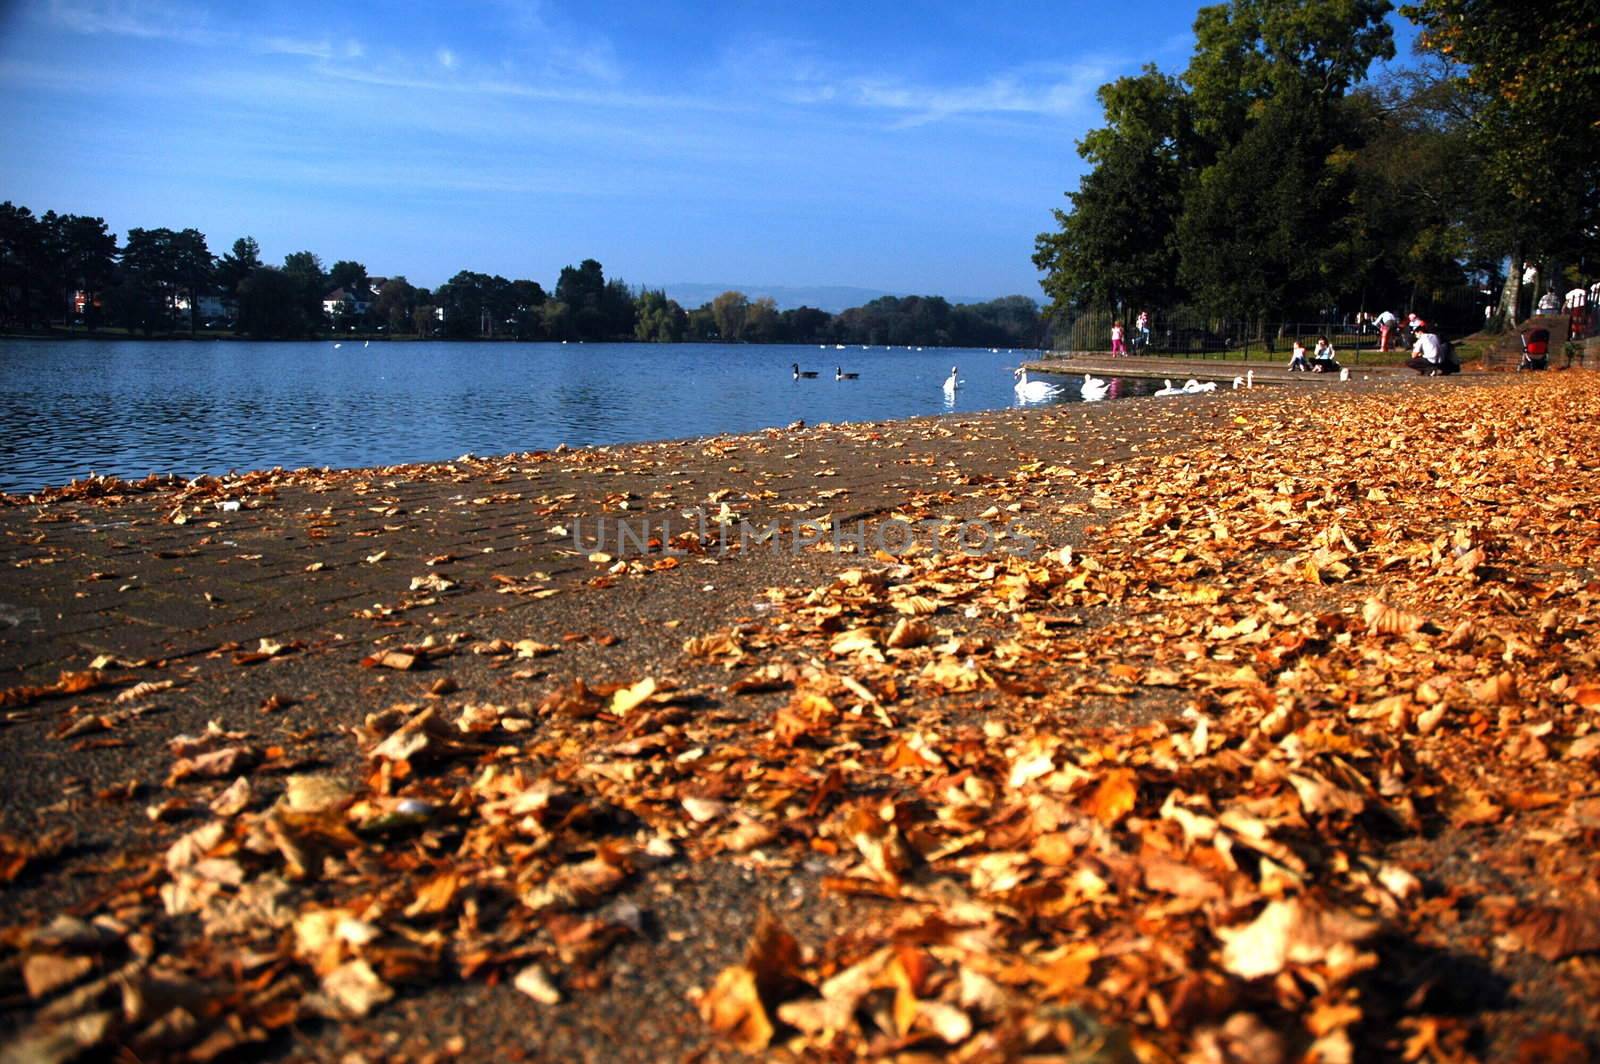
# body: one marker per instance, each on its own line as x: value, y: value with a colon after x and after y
x: 447, y: 58
x: 148, y: 19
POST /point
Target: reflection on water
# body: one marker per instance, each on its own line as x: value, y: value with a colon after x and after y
x: 131, y: 408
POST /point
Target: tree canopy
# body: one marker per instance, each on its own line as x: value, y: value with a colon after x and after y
x: 1272, y: 177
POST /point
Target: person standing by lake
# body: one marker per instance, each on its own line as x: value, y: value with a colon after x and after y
x: 1386, y: 324
x: 1142, y: 325
x: 1117, y: 347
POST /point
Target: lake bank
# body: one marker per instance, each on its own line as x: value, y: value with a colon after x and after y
x: 1035, y: 746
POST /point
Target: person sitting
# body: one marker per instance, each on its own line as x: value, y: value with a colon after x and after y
x: 1323, y: 360
x: 1549, y: 303
x: 1426, y: 352
x: 1298, y: 362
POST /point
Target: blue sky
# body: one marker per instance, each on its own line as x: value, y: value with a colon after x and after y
x: 909, y: 147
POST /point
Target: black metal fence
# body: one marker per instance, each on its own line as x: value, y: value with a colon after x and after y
x: 1194, y: 334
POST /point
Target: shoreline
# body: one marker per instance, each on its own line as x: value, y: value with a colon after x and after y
x: 782, y: 707
x: 1377, y: 377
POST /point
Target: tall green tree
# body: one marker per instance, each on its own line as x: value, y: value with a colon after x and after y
x: 239, y: 263
x: 304, y: 270
x: 581, y: 289
x: 729, y: 310
x: 272, y: 306
x: 21, y: 255
x: 150, y: 279
x: 1537, y: 75
x: 1266, y: 224
x: 1117, y: 244
x: 659, y: 319
x: 193, y: 267
x: 395, y: 305
x: 347, y: 274
x: 84, y: 254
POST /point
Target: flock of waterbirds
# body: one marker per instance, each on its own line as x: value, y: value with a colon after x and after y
x: 1093, y: 388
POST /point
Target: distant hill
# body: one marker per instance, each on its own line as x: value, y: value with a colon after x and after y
x: 831, y: 298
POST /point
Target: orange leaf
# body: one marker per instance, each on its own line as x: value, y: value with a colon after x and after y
x: 1114, y: 798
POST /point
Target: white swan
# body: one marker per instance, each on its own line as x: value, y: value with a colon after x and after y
x: 1250, y: 379
x: 951, y: 384
x: 1238, y: 382
x: 1344, y: 373
x: 1193, y: 387
x: 1094, y: 389
x: 1169, y: 389
x: 1033, y: 391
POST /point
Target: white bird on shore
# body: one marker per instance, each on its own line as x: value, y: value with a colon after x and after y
x: 1033, y: 391
x: 1249, y: 379
x: 1344, y: 373
x: 1169, y: 389
x: 951, y: 384
x: 1094, y: 389
x: 1194, y: 387
x: 1238, y: 382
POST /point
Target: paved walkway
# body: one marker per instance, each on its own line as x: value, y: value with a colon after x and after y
x: 1222, y: 371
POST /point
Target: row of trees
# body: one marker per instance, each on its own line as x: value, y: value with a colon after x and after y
x: 1273, y: 178
x: 68, y: 268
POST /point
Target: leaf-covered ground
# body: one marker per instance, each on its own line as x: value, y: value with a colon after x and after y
x: 1281, y: 746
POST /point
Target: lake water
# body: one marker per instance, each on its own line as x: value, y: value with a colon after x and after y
x: 129, y: 408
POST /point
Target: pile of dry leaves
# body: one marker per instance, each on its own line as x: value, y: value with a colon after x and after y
x: 1178, y: 787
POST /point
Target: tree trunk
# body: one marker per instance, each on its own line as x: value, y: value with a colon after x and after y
x: 1511, y: 291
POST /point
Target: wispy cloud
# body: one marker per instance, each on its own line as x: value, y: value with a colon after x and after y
x: 1059, y: 94
x: 148, y: 19
x: 797, y: 73
x: 321, y: 49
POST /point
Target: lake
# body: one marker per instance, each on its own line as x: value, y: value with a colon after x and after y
x: 131, y: 407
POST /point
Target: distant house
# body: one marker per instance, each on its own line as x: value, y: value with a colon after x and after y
x: 209, y: 308
x: 348, y: 301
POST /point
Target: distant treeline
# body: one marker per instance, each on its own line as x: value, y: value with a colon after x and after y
x: 68, y: 271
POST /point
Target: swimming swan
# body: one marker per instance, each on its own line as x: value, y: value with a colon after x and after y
x: 1169, y: 389
x: 1094, y: 389
x: 951, y: 384
x: 1032, y: 391
x: 1193, y: 387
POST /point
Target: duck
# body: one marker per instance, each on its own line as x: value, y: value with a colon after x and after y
x: 1033, y: 391
x: 951, y: 384
x: 840, y: 375
x: 1094, y: 389
x: 1169, y: 389
x: 798, y: 372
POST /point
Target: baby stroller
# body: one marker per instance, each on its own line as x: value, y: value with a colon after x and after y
x: 1535, y: 349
